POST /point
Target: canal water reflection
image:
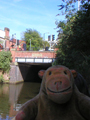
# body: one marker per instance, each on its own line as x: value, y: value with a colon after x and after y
x: 13, y: 96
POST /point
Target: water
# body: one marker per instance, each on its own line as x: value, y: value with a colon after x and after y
x: 13, y: 96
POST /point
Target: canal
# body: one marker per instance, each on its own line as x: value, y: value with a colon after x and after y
x: 13, y: 96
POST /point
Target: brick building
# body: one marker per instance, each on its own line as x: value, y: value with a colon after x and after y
x: 8, y: 44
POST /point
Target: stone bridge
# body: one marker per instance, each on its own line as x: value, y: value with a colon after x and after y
x: 28, y: 63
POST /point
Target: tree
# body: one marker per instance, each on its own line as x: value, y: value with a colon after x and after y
x: 36, y: 39
x: 5, y: 59
x: 68, y: 6
x: 45, y: 44
x: 74, y: 44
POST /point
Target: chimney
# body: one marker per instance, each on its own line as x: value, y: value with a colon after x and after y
x: 6, y: 32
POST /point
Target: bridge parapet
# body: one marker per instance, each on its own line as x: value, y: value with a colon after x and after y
x: 33, y: 55
x: 34, y: 60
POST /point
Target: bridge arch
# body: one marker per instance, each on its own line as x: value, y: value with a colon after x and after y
x: 27, y: 72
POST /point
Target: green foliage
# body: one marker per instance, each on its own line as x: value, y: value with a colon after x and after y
x: 5, y: 59
x: 68, y: 7
x: 74, y: 41
x: 46, y: 44
x: 1, y: 79
x: 36, y: 40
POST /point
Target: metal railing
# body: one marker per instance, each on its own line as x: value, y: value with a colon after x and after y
x: 34, y: 60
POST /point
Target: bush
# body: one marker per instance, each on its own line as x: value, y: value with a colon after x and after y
x: 74, y: 44
x: 1, y: 79
x: 5, y: 59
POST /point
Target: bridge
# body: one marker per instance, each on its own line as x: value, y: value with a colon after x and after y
x: 33, y: 56
x: 28, y: 63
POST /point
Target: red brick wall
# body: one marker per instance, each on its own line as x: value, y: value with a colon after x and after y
x: 34, y: 54
x: 7, y: 44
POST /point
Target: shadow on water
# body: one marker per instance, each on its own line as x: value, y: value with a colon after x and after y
x: 13, y: 96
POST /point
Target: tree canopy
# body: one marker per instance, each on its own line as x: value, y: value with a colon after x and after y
x: 68, y: 7
x: 74, y: 40
x: 36, y: 40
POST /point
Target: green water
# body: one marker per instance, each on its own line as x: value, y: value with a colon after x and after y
x: 13, y: 96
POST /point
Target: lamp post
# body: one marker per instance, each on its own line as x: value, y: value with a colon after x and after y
x: 12, y: 39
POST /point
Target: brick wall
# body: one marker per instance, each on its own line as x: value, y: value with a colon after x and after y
x: 34, y: 54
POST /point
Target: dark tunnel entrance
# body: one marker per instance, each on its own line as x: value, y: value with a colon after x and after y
x: 30, y: 71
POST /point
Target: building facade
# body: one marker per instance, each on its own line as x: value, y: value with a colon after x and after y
x: 8, y: 44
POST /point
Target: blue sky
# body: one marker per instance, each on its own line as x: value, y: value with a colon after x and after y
x: 19, y: 15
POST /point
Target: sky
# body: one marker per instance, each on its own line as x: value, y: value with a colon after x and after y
x: 20, y: 15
